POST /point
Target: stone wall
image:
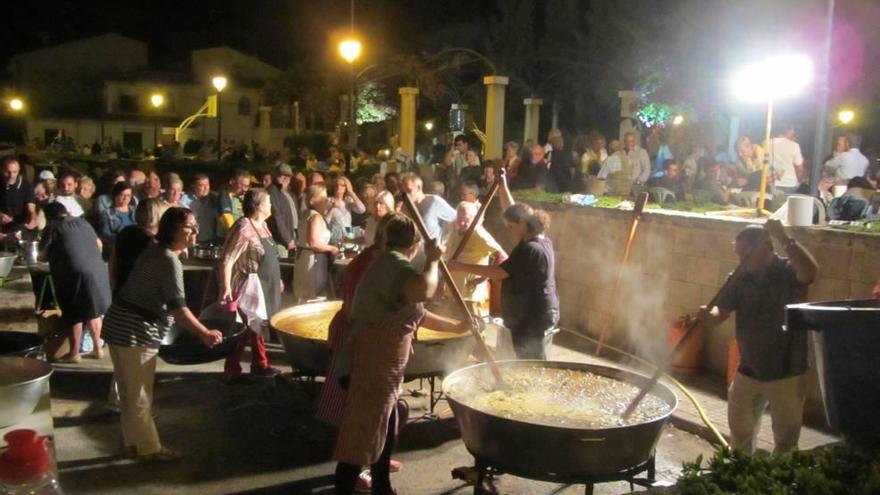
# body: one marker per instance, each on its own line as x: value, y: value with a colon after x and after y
x: 678, y: 262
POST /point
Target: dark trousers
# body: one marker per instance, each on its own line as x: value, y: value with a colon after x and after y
x: 380, y: 471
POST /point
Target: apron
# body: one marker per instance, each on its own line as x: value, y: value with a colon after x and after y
x: 269, y: 273
x: 260, y: 294
x: 378, y: 365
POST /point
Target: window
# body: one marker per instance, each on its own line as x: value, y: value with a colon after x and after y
x: 132, y: 142
x: 127, y: 103
x: 244, y: 106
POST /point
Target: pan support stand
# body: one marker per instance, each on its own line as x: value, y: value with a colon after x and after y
x: 486, y: 470
x: 434, y: 396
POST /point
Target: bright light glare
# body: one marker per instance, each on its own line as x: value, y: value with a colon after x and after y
x: 429, y: 126
x: 677, y: 120
x: 846, y: 116
x: 157, y: 100
x: 773, y: 78
x: 350, y: 50
x: 219, y: 82
x: 16, y: 104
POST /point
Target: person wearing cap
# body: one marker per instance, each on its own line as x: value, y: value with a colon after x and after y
x: 773, y: 361
x: 18, y: 209
x: 284, y: 220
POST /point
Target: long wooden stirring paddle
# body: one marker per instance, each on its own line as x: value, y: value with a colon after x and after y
x: 638, y: 209
x: 476, y: 221
x: 678, y: 346
x: 447, y: 276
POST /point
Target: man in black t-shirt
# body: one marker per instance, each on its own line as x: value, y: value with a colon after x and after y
x: 773, y: 360
x: 18, y: 209
x: 529, y: 303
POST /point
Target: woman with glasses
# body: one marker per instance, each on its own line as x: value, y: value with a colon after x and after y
x: 146, y: 306
x: 383, y: 204
x: 251, y: 276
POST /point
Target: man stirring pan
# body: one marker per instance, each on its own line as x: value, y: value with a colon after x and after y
x: 773, y: 360
x: 529, y: 303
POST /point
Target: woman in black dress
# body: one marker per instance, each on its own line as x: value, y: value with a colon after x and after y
x: 82, y: 285
x: 529, y: 303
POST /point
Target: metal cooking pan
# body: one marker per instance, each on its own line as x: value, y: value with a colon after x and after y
x: 303, y: 332
x: 535, y: 450
x: 22, y: 344
x: 182, y: 347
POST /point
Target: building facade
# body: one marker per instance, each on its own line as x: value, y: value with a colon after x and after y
x: 101, y: 90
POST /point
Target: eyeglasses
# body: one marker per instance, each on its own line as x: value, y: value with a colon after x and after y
x: 193, y: 227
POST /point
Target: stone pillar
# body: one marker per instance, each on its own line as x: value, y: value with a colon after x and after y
x: 494, y: 116
x: 408, y: 97
x: 296, y: 124
x: 627, y: 111
x: 264, y: 127
x: 532, y: 120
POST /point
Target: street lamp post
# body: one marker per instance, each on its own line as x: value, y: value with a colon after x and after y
x: 350, y: 51
x: 766, y: 81
x: 16, y: 107
x: 219, y: 83
x: 157, y: 100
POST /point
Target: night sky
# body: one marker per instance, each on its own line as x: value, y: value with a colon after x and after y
x: 277, y: 31
x: 712, y: 36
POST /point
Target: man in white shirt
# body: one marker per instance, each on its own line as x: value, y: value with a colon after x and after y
x: 66, y: 194
x: 785, y: 157
x: 850, y: 163
x: 435, y: 212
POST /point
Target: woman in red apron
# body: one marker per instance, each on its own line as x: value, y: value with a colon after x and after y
x: 385, y: 313
x: 251, y: 276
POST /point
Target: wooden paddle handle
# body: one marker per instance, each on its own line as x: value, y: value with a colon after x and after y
x: 476, y: 221
x: 678, y: 346
x: 447, y: 276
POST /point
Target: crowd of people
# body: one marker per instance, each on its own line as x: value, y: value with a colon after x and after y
x: 626, y: 167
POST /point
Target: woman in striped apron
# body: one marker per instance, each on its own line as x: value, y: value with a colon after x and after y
x: 386, y: 311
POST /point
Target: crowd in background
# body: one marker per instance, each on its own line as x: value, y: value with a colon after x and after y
x: 318, y: 210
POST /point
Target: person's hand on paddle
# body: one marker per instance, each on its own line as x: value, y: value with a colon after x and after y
x: 433, y: 251
x: 704, y: 315
x: 211, y: 337
x: 502, y: 176
x: 776, y: 230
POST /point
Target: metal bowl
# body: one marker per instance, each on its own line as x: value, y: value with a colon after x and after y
x: 23, y: 382
x: 303, y: 330
x: 537, y: 451
x: 207, y: 252
x: 7, y: 261
x: 21, y: 344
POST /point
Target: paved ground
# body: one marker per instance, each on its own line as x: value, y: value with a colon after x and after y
x: 259, y: 437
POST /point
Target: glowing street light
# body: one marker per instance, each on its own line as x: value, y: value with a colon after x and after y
x: 774, y: 78
x: 429, y: 125
x: 678, y: 119
x: 157, y: 100
x: 219, y: 83
x: 846, y: 116
x: 350, y: 49
x: 16, y: 104
x: 766, y: 81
